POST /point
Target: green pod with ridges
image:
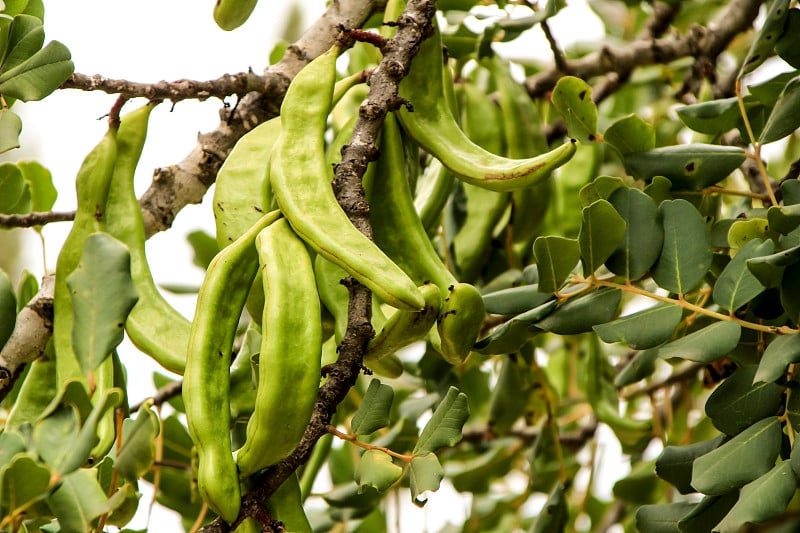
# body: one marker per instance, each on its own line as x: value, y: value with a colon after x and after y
x: 301, y: 183
x: 291, y: 348
x: 153, y: 325
x: 405, y: 327
x: 92, y: 185
x: 460, y: 322
x: 206, y: 381
x: 230, y: 14
x: 433, y: 126
x: 396, y: 226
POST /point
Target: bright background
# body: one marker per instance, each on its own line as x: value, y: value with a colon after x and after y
x: 149, y: 41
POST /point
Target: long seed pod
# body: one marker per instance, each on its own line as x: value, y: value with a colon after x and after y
x: 301, y: 183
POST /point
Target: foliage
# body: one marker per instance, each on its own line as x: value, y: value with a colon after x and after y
x: 647, y: 282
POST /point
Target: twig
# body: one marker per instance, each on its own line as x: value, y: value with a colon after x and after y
x: 558, y: 55
x: 162, y: 395
x: 413, y: 26
x: 35, y: 218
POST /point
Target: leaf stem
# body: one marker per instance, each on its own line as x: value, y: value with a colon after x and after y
x: 756, y: 146
x: 354, y: 440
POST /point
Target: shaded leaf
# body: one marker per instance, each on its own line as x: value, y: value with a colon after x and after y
x: 769, y: 268
x: 556, y: 257
x: 780, y: 353
x: 554, y: 516
x: 376, y: 470
x: 630, y: 134
x: 103, y: 293
x: 783, y: 119
x: 515, y: 300
x: 601, y: 188
x: 713, y: 117
x: 424, y: 474
x: 674, y: 464
x: 511, y: 335
x: 581, y: 313
x: 705, y: 345
x: 687, y: 166
x: 640, y: 486
x: 23, y: 479
x: 708, y: 513
x: 768, y: 35
x: 737, y: 403
x: 790, y: 291
x: 784, y: 218
x: 444, y: 427
x: 204, y: 247
x: 25, y: 38
x: 137, y: 453
x: 662, y: 518
x: 644, y: 236
x: 736, y: 285
x: 762, y: 499
x: 602, y: 230
x: 374, y: 411
x: 686, y: 253
x: 788, y: 46
x: 78, y: 501
x: 744, y: 458
x: 572, y: 98
x: 643, y: 329
x: 639, y: 367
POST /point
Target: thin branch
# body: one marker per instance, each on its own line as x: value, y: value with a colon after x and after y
x: 35, y: 218
x: 222, y: 87
x: 687, y: 374
x: 558, y: 55
x: 413, y: 26
x: 162, y: 395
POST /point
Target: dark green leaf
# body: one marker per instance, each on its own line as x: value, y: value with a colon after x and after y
x: 39, y: 75
x: 790, y: 291
x: 661, y: 518
x: 708, y: 513
x: 376, y: 470
x: 687, y: 166
x: 643, y: 329
x: 511, y: 335
x: 103, y: 293
x: 476, y: 473
x: 639, y: 367
x: 554, y: 516
x: 424, y: 474
x: 26, y: 37
x: 783, y: 119
x: 640, y: 486
x: 686, y: 253
x: 630, y: 134
x: 374, y: 411
x: 705, y: 345
x: 572, y: 98
x: 581, y: 313
x: 769, y: 269
x: 762, y: 499
x: 600, y: 189
x: 737, y: 403
x: 602, y: 230
x: 444, y: 427
x: 659, y: 189
x: 736, y: 285
x: 556, y: 257
x: 784, y: 219
x: 674, y: 465
x: 515, y: 300
x: 644, y: 235
x: 788, y: 46
x: 712, y: 118
x: 772, y: 29
x: 744, y: 458
x: 780, y: 353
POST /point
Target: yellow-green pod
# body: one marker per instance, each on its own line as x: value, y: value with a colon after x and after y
x: 230, y: 14
x: 460, y: 322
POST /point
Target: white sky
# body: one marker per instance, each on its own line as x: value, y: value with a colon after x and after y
x: 148, y: 41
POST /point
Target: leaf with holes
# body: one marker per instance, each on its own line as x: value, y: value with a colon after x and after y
x: 687, y: 166
x: 631, y: 134
x: 572, y: 98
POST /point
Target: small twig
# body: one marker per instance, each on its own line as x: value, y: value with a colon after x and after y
x: 162, y: 395
x: 690, y: 372
x: 558, y: 55
x: 353, y: 439
x: 35, y: 218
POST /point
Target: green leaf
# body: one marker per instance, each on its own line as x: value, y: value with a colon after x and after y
x: 640, y: 486
x: 737, y: 403
x: 579, y: 314
x: 138, y: 451
x: 769, y: 268
x: 572, y: 98
x: 43, y: 192
x: 771, y: 30
x: 476, y: 473
x: 600, y: 189
x: 783, y: 119
x: 26, y: 37
x: 39, y: 75
x: 736, y: 285
x: 204, y: 247
x: 674, y: 464
x: 78, y: 501
x: 15, y: 195
x: 444, y: 427
x: 713, y: 117
x: 8, y: 308
x: 790, y: 291
x: 762, y: 499
x: 515, y: 300
x: 10, y: 128
x: 780, y: 353
x: 630, y: 134
x: 376, y: 470
x: 708, y: 513
x: 743, y: 231
x: 554, y: 516
x: 659, y: 189
x: 788, y: 46
x: 23, y: 480
x: 705, y: 345
x: 602, y: 230
x: 639, y: 367
x: 424, y: 474
x: 753, y: 452
x: 662, y: 518
x: 644, y: 235
x: 784, y: 218
x: 374, y: 411
x: 687, y: 166
x: 686, y: 253
x: 511, y: 335
x: 556, y: 257
x: 103, y: 294
x: 644, y: 329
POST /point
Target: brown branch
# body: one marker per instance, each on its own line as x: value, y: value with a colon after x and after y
x: 558, y: 55
x: 224, y: 86
x: 413, y: 26
x: 35, y: 218
x: 186, y: 182
x: 735, y: 17
x: 162, y: 395
x: 685, y: 375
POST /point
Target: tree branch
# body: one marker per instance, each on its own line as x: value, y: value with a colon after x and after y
x: 413, y: 26
x: 734, y: 18
x: 35, y: 218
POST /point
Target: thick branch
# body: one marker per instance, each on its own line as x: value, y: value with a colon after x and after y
x: 186, y: 182
x: 413, y: 26
x: 734, y: 18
